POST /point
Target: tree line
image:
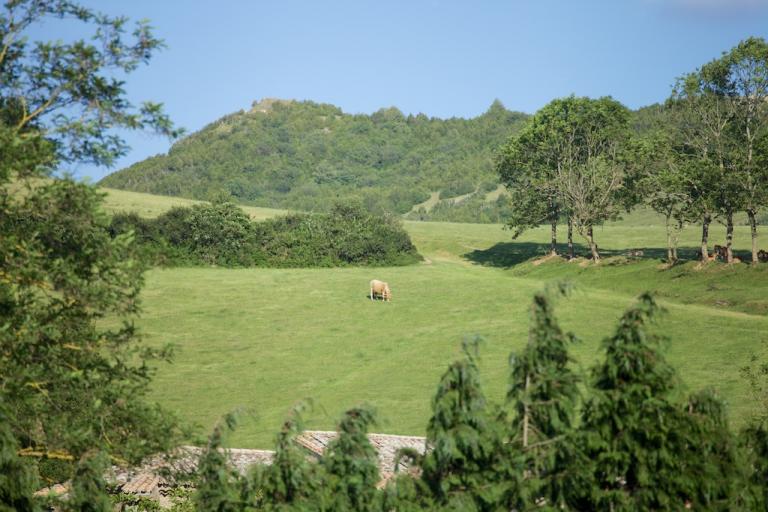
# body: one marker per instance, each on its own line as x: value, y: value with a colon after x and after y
x: 700, y: 157
x: 222, y: 234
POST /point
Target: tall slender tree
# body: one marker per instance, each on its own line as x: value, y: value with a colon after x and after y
x: 351, y: 465
x: 659, y: 183
x: 702, y: 112
x: 290, y: 480
x: 544, y: 396
x: 219, y: 486
x: 463, y: 465
x: 747, y: 79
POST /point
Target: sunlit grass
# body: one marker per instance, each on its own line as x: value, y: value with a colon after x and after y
x: 262, y: 339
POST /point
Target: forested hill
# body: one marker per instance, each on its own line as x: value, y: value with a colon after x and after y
x: 304, y: 155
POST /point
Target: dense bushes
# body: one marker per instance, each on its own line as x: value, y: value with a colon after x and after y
x: 222, y: 234
x: 348, y: 235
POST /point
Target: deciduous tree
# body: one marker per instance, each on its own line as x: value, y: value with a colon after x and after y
x: 702, y: 113
x: 71, y: 382
x: 747, y: 81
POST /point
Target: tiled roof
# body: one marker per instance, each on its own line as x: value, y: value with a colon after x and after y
x: 386, y: 446
x: 146, y: 480
x: 143, y: 484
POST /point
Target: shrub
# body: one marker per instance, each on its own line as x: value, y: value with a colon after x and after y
x: 222, y: 234
x: 348, y: 235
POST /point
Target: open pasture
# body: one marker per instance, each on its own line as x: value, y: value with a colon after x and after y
x: 263, y: 339
x: 150, y: 205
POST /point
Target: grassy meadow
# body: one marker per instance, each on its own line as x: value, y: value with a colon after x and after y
x: 149, y: 205
x: 263, y: 339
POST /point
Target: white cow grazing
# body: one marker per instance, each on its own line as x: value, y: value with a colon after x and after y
x: 381, y: 289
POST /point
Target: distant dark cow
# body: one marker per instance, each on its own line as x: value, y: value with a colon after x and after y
x: 762, y: 255
x: 721, y: 252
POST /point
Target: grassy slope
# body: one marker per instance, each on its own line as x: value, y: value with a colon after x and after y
x: 264, y: 338
x: 149, y: 205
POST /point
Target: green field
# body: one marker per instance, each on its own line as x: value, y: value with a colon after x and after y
x: 148, y: 205
x: 262, y: 339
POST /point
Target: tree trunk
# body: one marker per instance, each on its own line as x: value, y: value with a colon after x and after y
x: 570, y: 238
x: 753, y: 229
x: 593, y: 245
x: 676, y: 239
x: 671, y: 256
x: 705, y: 237
x: 553, y: 215
x: 553, y: 244
x: 525, y: 413
x: 729, y: 237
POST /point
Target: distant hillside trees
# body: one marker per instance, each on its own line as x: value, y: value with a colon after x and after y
x: 303, y: 156
x: 222, y: 234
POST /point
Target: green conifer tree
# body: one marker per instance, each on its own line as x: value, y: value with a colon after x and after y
x: 219, y: 486
x: 462, y: 467
x: 713, y: 468
x: 89, y: 491
x: 17, y: 480
x: 636, y: 437
x: 351, y: 465
x: 544, y: 397
x: 291, y: 481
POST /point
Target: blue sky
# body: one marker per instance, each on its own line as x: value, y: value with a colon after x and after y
x: 442, y: 58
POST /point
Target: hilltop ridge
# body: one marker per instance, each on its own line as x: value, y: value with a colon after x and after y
x: 305, y: 155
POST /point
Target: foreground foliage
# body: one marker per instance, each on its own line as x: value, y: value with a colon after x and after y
x: 71, y: 389
x: 628, y: 445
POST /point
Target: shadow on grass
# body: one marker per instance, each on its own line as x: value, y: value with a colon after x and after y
x: 510, y: 254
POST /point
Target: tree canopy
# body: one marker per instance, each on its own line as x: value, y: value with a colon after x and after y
x: 70, y: 384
